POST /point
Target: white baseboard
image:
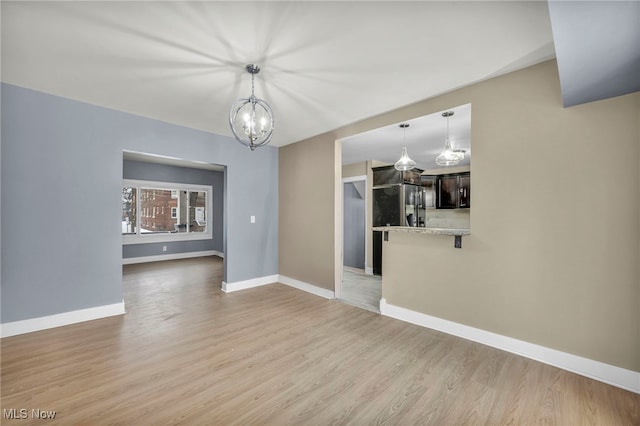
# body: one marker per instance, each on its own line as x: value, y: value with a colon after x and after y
x: 309, y: 288
x: 254, y: 282
x: 355, y: 270
x: 368, y: 270
x: 610, y: 374
x: 270, y: 279
x: 58, y: 320
x: 172, y: 256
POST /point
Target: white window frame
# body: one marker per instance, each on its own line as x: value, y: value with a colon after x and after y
x: 144, y: 238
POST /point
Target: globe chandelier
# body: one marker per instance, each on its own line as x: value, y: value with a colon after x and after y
x: 251, y: 119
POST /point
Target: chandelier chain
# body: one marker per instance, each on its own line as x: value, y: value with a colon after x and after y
x: 448, y: 126
x: 252, y: 85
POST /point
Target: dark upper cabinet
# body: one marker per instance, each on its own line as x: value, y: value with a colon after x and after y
x: 454, y: 191
x: 427, y: 198
x: 388, y: 175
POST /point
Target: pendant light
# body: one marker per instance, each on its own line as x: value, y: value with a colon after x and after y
x: 404, y: 163
x: 449, y: 157
x: 251, y: 119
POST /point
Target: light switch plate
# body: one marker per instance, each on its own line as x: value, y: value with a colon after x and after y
x: 253, y: 219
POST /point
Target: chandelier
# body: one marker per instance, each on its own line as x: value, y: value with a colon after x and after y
x: 251, y: 119
x: 449, y: 157
x: 404, y: 163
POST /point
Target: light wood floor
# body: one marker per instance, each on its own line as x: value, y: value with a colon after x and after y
x: 186, y: 353
x: 361, y: 290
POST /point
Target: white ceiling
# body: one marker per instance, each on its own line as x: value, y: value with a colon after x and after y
x: 324, y: 64
x: 424, y: 139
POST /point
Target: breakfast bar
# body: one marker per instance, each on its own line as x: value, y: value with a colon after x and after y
x: 456, y: 232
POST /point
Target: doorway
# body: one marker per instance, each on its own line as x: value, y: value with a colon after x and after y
x: 358, y: 288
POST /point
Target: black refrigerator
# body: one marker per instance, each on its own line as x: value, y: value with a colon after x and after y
x: 396, y: 198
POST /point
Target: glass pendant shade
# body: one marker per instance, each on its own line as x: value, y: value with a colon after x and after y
x: 404, y: 163
x: 251, y: 119
x: 449, y: 157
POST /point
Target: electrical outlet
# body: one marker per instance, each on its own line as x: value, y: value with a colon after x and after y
x: 164, y: 248
x: 253, y: 219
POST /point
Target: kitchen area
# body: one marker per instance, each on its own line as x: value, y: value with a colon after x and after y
x: 428, y: 203
x: 431, y: 197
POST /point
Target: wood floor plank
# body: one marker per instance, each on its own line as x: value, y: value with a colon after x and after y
x: 187, y: 353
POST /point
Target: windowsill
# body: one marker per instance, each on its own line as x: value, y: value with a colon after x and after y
x: 165, y: 237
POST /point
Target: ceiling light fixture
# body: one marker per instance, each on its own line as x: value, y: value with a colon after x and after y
x: 251, y: 119
x: 449, y: 157
x: 404, y: 163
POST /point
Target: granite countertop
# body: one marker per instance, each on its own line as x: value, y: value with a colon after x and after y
x: 420, y: 230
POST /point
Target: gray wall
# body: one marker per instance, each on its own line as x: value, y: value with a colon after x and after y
x: 353, y: 227
x: 164, y: 173
x: 62, y: 171
x: 598, y: 49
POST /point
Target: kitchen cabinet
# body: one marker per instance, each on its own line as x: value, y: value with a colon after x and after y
x: 388, y: 175
x: 454, y: 191
x: 428, y: 194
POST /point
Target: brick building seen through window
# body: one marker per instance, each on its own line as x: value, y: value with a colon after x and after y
x: 164, y: 210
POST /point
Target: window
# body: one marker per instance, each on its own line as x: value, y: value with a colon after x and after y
x: 143, y: 206
x: 129, y: 203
